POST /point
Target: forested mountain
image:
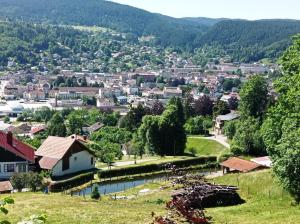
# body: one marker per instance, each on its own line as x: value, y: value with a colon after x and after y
x: 168, y: 30
x: 204, y: 21
x: 251, y: 40
x: 242, y: 40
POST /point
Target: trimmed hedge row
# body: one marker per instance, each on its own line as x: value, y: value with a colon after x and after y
x: 149, y: 168
x: 71, y: 182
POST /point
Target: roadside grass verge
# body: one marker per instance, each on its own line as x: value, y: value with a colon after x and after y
x: 205, y: 147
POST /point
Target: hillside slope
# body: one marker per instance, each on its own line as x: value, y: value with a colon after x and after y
x: 251, y: 40
x: 241, y: 39
x: 168, y: 30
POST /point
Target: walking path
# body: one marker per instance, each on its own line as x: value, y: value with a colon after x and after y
x: 126, y: 163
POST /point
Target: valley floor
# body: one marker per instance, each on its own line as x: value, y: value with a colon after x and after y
x: 265, y: 203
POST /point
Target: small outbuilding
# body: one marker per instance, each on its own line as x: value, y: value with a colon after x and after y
x: 264, y: 161
x: 5, y: 187
x: 235, y: 164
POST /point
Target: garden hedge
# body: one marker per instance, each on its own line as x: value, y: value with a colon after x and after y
x: 69, y: 183
x: 149, y: 168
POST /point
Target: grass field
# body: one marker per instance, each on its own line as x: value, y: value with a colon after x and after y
x: 265, y: 203
x: 205, y: 147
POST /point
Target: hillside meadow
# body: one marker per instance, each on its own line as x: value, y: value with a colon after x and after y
x: 266, y: 203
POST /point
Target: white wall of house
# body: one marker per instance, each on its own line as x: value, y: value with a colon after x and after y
x: 78, y: 162
x: 18, y: 167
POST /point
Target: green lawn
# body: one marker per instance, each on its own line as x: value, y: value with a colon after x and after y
x: 205, y: 147
x: 265, y: 203
x: 62, y: 209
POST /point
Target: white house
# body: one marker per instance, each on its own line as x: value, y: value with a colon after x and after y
x: 15, y: 156
x: 64, y: 156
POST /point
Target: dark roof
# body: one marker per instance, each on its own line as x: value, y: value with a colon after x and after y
x: 228, y: 117
x: 17, y: 147
x: 241, y: 165
x: 22, y: 129
x: 95, y: 127
x: 5, y: 186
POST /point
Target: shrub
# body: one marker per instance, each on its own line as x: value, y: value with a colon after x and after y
x: 74, y: 181
x: 34, y: 180
x: 95, y: 193
x: 230, y: 129
x: 18, y: 181
x: 149, y: 168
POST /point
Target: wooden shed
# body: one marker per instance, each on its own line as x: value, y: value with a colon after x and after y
x: 5, y: 187
x: 235, y: 164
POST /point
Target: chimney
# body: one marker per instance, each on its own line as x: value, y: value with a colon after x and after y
x: 9, y: 138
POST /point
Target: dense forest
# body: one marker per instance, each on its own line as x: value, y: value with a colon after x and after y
x: 168, y: 30
x: 242, y: 40
x: 251, y: 40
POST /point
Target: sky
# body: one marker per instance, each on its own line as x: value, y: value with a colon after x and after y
x: 243, y: 9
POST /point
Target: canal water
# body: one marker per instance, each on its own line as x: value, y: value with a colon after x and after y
x: 118, y: 186
x: 113, y: 187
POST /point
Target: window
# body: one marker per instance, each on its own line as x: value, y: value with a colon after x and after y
x: 9, y: 168
x: 92, y: 160
x: 22, y: 167
x: 65, y: 163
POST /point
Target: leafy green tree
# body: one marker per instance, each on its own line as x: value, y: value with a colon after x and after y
x: 112, y: 134
x: 220, y: 108
x: 133, y: 118
x: 56, y: 126
x: 137, y: 146
x: 281, y: 128
x: 230, y: 129
x: 149, y: 133
x: 75, y: 121
x: 254, y: 97
x: 194, y: 126
x: 108, y: 158
x: 44, y: 114
x: 165, y: 134
x: 248, y: 139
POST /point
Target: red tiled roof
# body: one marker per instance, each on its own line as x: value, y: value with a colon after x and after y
x: 240, y: 164
x: 5, y: 186
x: 17, y: 147
x: 36, y: 130
x: 55, y: 147
x: 48, y: 163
